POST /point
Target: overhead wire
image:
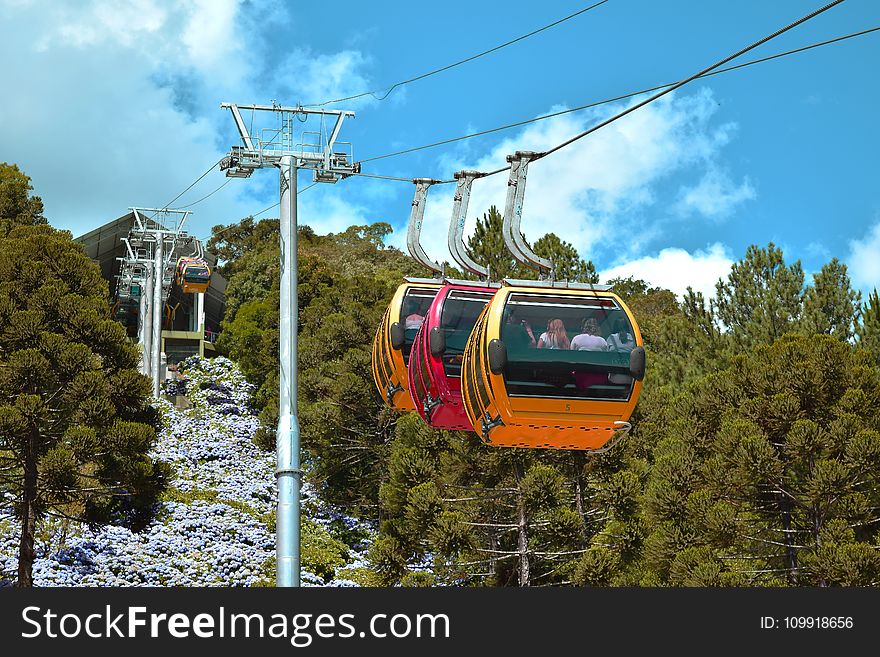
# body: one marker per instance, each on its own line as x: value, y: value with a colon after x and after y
x: 257, y: 214
x: 388, y: 90
x: 632, y: 94
x: 681, y: 83
x: 189, y: 205
x: 167, y: 206
x: 666, y: 88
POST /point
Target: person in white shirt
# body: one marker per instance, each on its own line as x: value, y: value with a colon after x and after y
x: 621, y: 339
x: 555, y: 337
x: 413, y: 320
x: 589, y: 339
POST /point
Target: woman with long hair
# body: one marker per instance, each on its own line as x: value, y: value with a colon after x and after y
x: 555, y: 337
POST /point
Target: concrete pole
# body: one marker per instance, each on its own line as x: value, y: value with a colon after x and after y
x: 200, y: 314
x: 146, y: 328
x: 158, y: 276
x: 288, y: 473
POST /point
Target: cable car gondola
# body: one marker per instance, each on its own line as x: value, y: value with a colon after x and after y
x: 193, y: 275
x: 438, y: 350
x: 559, y: 396
x: 435, y: 366
x: 126, y: 309
x: 575, y: 386
x: 394, y: 339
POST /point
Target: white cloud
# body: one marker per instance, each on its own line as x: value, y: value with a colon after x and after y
x: 594, y: 192
x: 116, y: 103
x: 321, y: 77
x: 676, y: 269
x: 716, y: 196
x: 864, y: 260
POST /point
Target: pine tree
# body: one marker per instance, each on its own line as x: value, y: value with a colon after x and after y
x: 868, y: 328
x: 569, y: 265
x: 344, y: 283
x: 767, y: 473
x: 830, y: 303
x: 75, y: 424
x: 761, y: 299
x: 17, y: 205
x: 486, y: 247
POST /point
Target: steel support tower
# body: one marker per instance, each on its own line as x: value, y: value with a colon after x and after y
x: 330, y: 160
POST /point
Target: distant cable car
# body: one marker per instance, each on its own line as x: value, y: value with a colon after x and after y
x: 438, y: 350
x: 555, y: 365
x: 193, y: 275
x: 126, y: 309
x: 394, y: 338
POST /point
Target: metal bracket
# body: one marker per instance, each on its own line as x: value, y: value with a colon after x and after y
x: 429, y: 406
x: 415, y: 225
x: 390, y: 391
x: 513, y: 239
x: 294, y: 471
x: 623, y: 429
x: 456, y: 224
x: 487, y: 424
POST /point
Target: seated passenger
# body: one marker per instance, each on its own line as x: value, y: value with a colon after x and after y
x: 589, y: 339
x: 517, y: 334
x: 621, y: 339
x: 413, y: 319
x: 555, y: 337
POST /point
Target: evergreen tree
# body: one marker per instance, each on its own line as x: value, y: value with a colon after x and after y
x: 344, y: 283
x: 75, y: 424
x: 868, y: 329
x: 761, y: 299
x: 17, y: 205
x: 767, y: 473
x: 569, y: 265
x: 830, y: 304
x: 484, y: 515
x: 486, y: 247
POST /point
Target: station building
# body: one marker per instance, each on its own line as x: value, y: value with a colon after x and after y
x: 185, y: 330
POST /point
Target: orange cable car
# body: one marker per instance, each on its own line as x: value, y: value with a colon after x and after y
x: 577, y: 390
x: 393, y: 341
x: 193, y: 275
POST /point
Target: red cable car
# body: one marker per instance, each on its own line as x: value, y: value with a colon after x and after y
x: 435, y: 362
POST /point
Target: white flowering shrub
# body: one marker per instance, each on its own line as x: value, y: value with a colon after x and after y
x: 215, y: 526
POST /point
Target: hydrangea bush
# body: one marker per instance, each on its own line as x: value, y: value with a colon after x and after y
x: 215, y: 526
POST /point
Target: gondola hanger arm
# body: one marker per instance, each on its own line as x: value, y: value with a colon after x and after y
x: 512, y: 220
x: 414, y: 230
x: 464, y: 180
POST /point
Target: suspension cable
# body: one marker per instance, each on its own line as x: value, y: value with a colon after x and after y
x: 680, y: 84
x: 544, y: 117
x: 458, y: 63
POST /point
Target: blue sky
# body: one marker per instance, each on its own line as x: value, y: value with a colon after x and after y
x: 111, y: 104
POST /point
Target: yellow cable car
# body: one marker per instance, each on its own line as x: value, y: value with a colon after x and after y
x: 394, y: 339
x: 193, y: 275
x: 553, y: 365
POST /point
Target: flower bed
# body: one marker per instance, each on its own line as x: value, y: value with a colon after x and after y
x: 214, y: 526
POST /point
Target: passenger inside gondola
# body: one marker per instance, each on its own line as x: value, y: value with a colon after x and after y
x: 589, y: 338
x: 412, y: 315
x: 622, y: 339
x: 555, y: 337
x: 517, y: 332
x: 413, y: 319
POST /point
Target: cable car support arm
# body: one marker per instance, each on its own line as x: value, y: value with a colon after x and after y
x: 456, y: 225
x: 415, y: 225
x: 513, y: 239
